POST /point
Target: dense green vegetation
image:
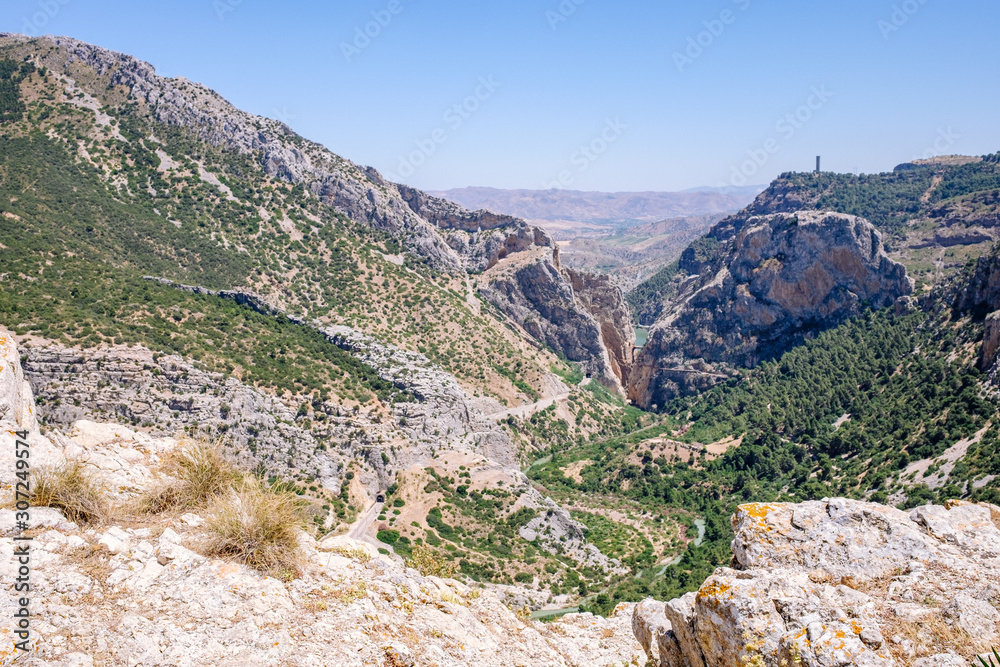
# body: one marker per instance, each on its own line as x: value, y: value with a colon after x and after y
x: 75, y: 295
x: 841, y: 415
x: 866, y: 371
x: 647, y: 300
x: 968, y: 178
x: 887, y: 200
x: 11, y: 74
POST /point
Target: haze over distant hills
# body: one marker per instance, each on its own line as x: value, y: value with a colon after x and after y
x: 552, y: 209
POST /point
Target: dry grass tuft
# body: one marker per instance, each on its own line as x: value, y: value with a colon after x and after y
x: 929, y: 636
x: 74, y: 490
x: 431, y: 563
x: 257, y: 527
x: 202, y: 473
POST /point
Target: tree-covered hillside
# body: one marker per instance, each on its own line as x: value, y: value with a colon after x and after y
x: 843, y: 415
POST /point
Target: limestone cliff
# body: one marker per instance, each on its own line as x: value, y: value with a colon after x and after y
x: 839, y: 582
x: 604, y: 301
x: 17, y: 405
x: 582, y: 316
x: 164, y: 394
x: 777, y: 280
x: 980, y: 298
x: 482, y: 237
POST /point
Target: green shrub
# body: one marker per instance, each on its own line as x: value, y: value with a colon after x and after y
x: 389, y: 537
x: 431, y: 563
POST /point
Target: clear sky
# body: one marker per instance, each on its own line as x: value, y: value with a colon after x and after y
x: 583, y: 94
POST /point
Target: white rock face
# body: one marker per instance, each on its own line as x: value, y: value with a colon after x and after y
x: 17, y: 407
x: 124, y: 598
x: 840, y: 582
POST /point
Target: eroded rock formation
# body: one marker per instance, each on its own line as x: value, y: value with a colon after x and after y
x: 777, y: 280
x: 582, y: 316
x: 838, y: 582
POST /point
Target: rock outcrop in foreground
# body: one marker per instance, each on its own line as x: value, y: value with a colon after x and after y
x: 839, y: 582
x: 136, y: 590
x: 777, y: 280
x: 140, y: 593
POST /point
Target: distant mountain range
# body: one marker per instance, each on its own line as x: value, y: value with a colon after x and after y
x: 603, y: 208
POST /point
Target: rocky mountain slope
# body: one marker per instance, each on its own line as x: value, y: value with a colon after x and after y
x: 779, y: 279
x: 181, y: 265
x: 933, y: 217
x: 168, y: 604
x: 838, y: 582
x: 250, y: 181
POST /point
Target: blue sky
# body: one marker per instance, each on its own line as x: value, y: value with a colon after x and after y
x: 583, y: 94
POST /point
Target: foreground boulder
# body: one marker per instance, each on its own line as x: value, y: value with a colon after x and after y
x: 839, y: 582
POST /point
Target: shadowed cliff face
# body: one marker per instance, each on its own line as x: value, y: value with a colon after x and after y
x: 777, y: 280
x: 605, y: 302
x: 585, y: 317
x: 981, y: 298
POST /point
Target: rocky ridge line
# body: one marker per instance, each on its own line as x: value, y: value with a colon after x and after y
x: 451, y: 238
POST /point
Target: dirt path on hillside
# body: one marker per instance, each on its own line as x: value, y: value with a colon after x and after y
x: 470, y: 296
x: 525, y: 411
x: 359, y: 529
